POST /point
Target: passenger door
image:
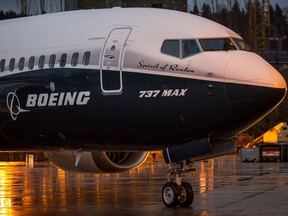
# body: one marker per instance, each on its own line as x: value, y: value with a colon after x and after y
x: 111, y: 61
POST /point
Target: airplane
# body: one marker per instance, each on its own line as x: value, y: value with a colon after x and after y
x: 97, y: 90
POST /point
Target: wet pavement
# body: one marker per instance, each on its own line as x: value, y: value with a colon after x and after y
x: 223, y: 186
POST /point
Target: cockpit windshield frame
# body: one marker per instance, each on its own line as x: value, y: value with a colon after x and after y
x: 217, y: 44
x: 241, y: 44
x: 181, y: 48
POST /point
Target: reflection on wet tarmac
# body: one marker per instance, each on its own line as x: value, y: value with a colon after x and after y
x: 45, y: 189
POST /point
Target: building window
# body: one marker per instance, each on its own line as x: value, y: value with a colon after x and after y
x: 86, y: 58
x: 74, y: 60
x: 11, y: 64
x: 31, y: 62
x: 21, y: 64
x: 2, y: 65
x: 41, y: 62
x: 52, y: 61
x: 63, y: 60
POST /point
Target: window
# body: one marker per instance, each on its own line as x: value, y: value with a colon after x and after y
x: 215, y: 44
x: 41, y: 62
x: 63, y: 60
x: 2, y: 65
x: 21, y: 64
x: 189, y: 47
x: 52, y: 60
x: 86, y: 58
x: 31, y: 62
x: 11, y: 64
x: 74, y: 60
x: 241, y: 44
x: 171, y: 47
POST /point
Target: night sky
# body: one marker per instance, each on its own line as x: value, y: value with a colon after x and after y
x: 14, y: 5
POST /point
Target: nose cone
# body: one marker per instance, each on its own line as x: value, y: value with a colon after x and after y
x: 253, y: 89
x: 251, y: 69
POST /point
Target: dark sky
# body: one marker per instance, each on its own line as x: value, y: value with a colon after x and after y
x: 13, y: 5
x: 281, y: 3
x: 7, y: 4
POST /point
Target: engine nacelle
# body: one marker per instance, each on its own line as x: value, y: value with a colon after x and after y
x: 96, y: 161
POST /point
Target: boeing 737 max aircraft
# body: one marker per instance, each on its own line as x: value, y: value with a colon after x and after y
x: 98, y: 89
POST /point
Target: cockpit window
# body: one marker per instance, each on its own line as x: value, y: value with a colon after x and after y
x: 172, y: 47
x: 215, y: 44
x: 189, y: 47
x: 241, y: 44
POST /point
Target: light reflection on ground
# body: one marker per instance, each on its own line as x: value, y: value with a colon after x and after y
x: 45, y: 189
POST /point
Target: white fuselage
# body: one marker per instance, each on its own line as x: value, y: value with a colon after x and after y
x: 145, y: 31
x: 110, y: 69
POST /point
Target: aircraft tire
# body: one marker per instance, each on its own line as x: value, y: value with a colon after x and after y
x: 187, y: 194
x: 171, y: 193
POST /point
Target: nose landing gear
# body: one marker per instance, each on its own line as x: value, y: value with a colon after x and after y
x: 177, y: 192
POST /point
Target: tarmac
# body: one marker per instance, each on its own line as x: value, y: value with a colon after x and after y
x: 222, y: 186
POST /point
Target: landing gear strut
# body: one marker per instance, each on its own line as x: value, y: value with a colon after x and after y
x: 177, y: 192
